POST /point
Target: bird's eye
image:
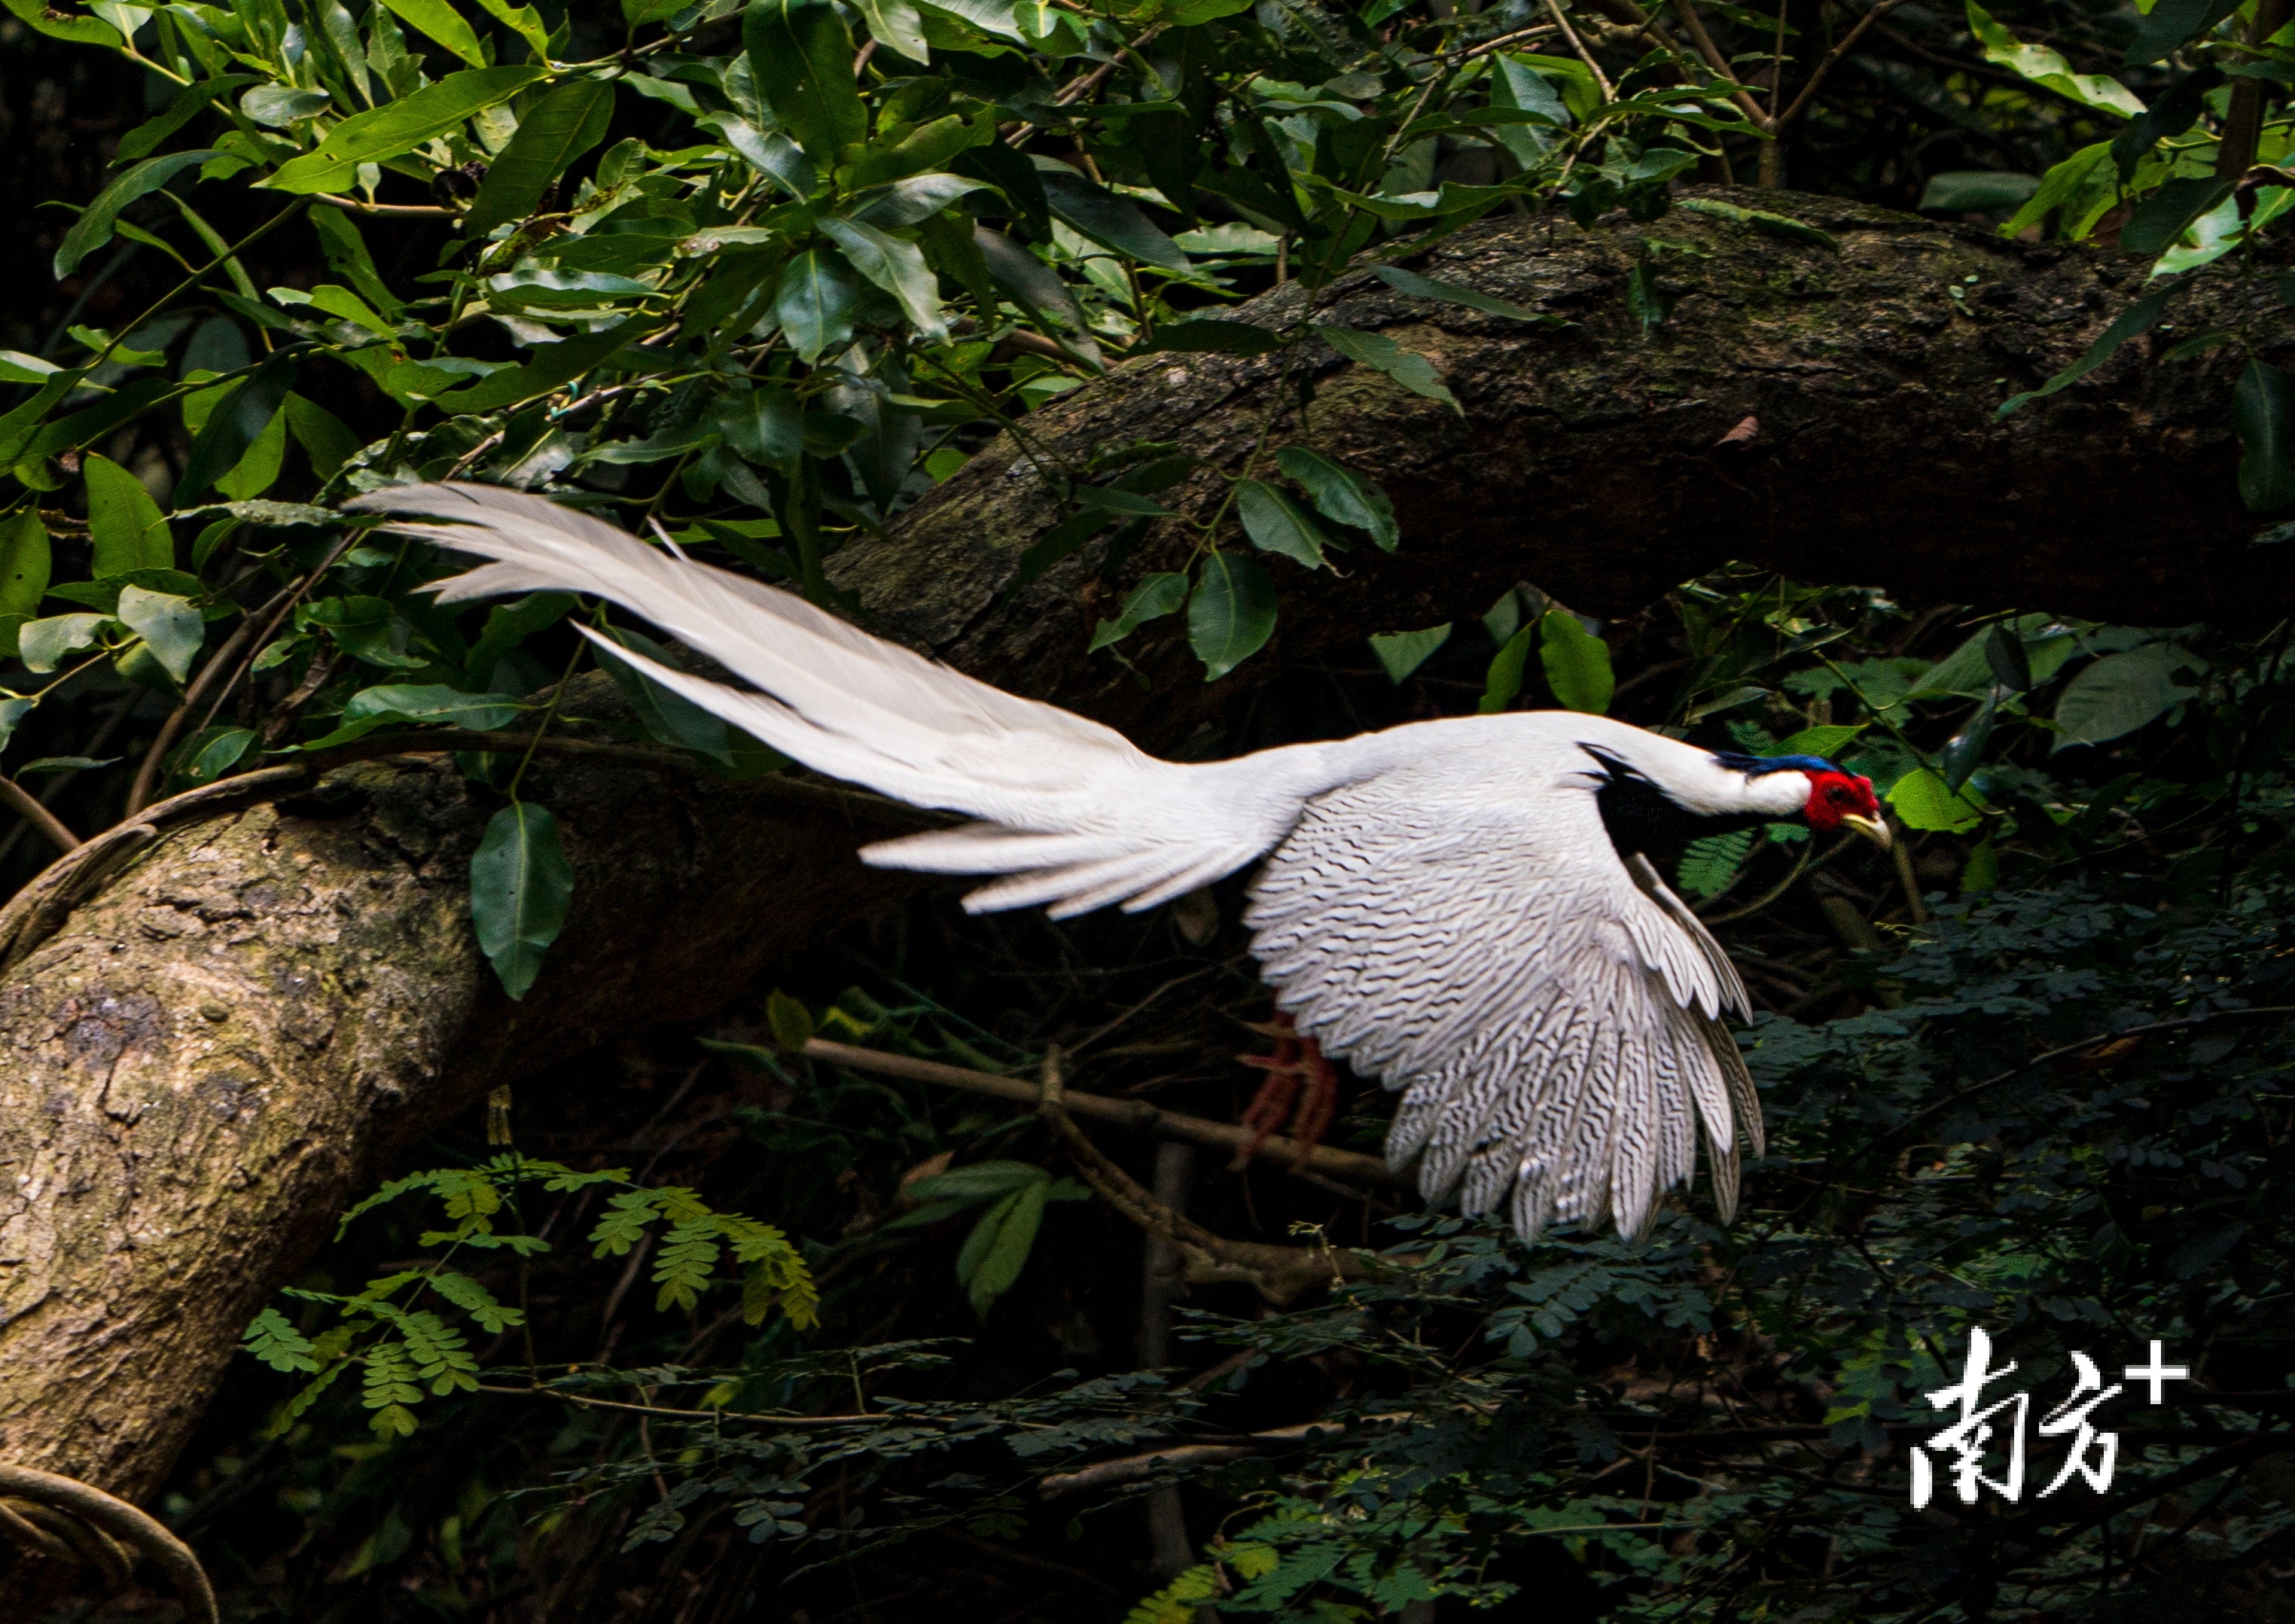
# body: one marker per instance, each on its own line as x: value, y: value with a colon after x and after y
x: 1839, y: 792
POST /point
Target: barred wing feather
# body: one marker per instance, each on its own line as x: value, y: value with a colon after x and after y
x: 1552, y: 1025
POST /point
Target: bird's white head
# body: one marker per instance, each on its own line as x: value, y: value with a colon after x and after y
x: 1836, y: 798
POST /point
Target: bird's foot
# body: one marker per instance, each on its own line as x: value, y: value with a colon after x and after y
x: 1302, y: 1089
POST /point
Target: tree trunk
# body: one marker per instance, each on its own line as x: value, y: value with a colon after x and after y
x: 217, y: 1050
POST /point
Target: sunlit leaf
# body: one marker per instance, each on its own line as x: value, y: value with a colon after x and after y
x: 398, y: 127
x: 1577, y: 662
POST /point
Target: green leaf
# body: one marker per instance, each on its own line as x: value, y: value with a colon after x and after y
x: 1502, y: 682
x: 280, y: 105
x: 1155, y: 596
x: 1708, y: 866
x: 523, y: 20
x: 2170, y: 23
x: 1404, y: 652
x: 998, y: 1248
x: 443, y: 23
x: 186, y: 105
x: 1117, y: 498
x: 671, y: 718
x: 896, y: 267
x: 2263, y: 411
x: 1208, y: 335
x: 399, y: 127
x: 1650, y: 306
x: 42, y: 644
x: 172, y: 626
x: 238, y: 420
x: 814, y: 302
x: 127, y: 525
x: 556, y: 130
x: 520, y: 883
x: 1232, y: 613
x: 2162, y: 219
x: 2043, y: 67
x: 2063, y: 182
x: 212, y: 752
x: 17, y: 367
x: 557, y: 365
x: 2123, y: 692
x: 1407, y: 367
x: 1977, y: 191
x: 1823, y: 742
x: 1111, y: 221
x: 801, y: 60
x: 1577, y: 663
x: 1764, y: 221
x: 1341, y: 494
x: 790, y: 1022
x: 473, y: 1300
x: 1452, y: 293
x: 94, y: 227
x: 325, y: 438
x: 274, y: 1339
x: 1924, y: 802
x: 260, y: 465
x: 25, y: 561
x: 895, y: 25
x: 2137, y: 318
x: 1276, y: 525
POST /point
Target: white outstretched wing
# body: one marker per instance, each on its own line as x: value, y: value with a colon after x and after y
x: 1445, y: 909
x: 1466, y: 932
x: 1073, y: 811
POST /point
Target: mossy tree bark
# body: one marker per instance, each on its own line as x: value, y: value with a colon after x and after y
x: 221, y: 1048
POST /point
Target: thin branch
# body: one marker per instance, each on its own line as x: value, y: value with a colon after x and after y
x: 225, y: 659
x: 680, y: 1414
x: 24, y: 804
x: 1831, y: 59
x: 1609, y: 91
x: 360, y: 205
x: 1719, y: 63
x: 1137, y: 1114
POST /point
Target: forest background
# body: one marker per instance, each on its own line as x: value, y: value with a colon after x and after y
x: 1238, y: 374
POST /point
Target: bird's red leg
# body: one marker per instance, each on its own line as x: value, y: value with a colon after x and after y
x: 1301, y: 1089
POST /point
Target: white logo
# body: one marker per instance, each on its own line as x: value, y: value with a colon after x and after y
x: 1964, y: 1444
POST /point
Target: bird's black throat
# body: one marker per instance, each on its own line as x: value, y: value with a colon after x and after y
x: 1640, y: 817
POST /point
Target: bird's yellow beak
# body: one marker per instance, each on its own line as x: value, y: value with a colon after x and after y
x: 1875, y: 829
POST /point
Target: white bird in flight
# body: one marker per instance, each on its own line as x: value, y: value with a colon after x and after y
x: 1470, y: 909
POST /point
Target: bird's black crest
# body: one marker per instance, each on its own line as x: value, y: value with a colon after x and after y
x: 1640, y: 817
x: 1754, y: 766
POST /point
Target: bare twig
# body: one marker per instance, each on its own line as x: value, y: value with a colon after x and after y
x: 256, y: 622
x: 360, y: 205
x: 1800, y: 103
x: 1609, y: 91
x: 21, y: 802
x: 1131, y: 1468
x: 1136, y: 1115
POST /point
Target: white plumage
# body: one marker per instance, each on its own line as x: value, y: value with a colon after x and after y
x: 1441, y: 905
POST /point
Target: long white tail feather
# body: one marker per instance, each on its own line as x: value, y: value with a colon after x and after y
x: 1080, y: 816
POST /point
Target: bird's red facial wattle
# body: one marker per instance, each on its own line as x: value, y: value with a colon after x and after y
x: 1838, y: 800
